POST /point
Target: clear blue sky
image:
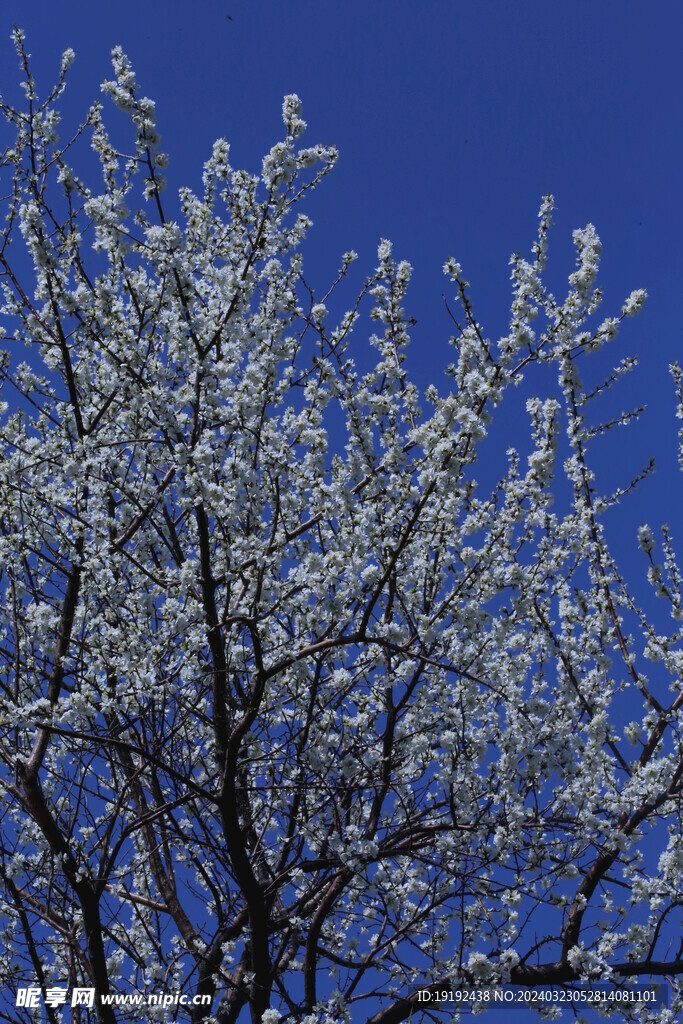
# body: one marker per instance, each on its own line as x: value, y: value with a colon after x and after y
x: 452, y: 120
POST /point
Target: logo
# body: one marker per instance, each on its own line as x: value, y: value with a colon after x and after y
x: 56, y: 996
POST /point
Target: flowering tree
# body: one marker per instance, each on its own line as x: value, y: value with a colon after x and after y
x: 292, y: 718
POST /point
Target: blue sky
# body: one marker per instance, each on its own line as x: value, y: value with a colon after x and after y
x: 452, y: 120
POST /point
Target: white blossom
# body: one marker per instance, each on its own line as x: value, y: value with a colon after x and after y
x: 315, y: 690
